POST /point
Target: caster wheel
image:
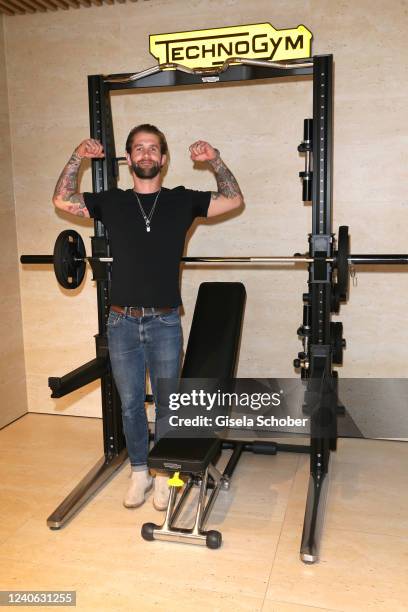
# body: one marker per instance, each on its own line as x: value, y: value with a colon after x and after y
x: 213, y: 539
x: 148, y: 531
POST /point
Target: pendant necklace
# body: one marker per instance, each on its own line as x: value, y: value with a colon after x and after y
x: 147, y: 219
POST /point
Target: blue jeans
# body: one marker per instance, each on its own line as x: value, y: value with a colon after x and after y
x: 134, y: 343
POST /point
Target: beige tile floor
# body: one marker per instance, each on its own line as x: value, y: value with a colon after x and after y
x: 100, y: 554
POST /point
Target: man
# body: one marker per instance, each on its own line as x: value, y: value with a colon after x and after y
x: 147, y: 226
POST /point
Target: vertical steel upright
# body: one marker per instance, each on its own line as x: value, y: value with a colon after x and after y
x: 319, y: 358
x: 104, y: 176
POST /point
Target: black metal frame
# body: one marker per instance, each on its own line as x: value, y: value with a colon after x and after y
x: 318, y: 357
x: 319, y: 298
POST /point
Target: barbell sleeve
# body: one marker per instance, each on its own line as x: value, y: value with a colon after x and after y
x: 37, y: 259
x: 378, y: 259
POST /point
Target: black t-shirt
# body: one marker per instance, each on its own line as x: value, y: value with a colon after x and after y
x: 146, y: 265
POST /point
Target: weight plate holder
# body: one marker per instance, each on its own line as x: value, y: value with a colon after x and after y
x: 69, y: 259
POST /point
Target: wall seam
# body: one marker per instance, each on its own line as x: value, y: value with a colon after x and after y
x: 6, y: 61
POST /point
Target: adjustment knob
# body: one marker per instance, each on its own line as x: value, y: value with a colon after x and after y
x: 302, y: 362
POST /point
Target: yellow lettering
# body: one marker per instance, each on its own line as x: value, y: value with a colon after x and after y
x: 206, y: 48
x: 298, y: 41
x: 176, y: 53
x: 189, y: 54
x: 242, y: 47
x: 263, y: 47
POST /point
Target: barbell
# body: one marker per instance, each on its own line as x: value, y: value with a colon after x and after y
x: 69, y: 259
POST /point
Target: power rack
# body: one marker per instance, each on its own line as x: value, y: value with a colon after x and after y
x: 322, y: 298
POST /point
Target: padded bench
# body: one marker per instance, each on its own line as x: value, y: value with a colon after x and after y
x: 212, y: 352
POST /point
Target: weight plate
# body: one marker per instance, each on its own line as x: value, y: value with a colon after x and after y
x: 69, y: 246
x: 336, y: 337
x: 343, y: 254
x: 335, y: 299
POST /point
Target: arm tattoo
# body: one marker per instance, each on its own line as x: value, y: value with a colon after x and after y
x: 226, y: 181
x: 66, y: 187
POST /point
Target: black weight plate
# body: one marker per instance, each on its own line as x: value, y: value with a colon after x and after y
x: 343, y: 254
x: 336, y: 337
x: 69, y: 246
x: 334, y: 299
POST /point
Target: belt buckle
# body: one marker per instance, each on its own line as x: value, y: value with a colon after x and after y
x: 136, y: 310
x: 143, y: 311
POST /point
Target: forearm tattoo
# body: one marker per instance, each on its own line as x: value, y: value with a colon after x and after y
x: 226, y: 181
x: 67, y: 187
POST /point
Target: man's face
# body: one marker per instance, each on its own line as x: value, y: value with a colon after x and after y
x: 145, y: 158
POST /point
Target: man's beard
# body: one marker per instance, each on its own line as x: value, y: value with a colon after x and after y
x: 147, y: 172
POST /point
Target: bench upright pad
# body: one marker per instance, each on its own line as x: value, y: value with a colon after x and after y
x: 212, y: 352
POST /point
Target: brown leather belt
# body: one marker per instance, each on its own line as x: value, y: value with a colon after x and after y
x: 141, y: 311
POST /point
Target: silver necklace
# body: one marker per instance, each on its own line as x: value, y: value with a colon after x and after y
x: 146, y: 218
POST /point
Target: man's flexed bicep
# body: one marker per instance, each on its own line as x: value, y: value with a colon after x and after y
x: 66, y: 195
x: 229, y: 196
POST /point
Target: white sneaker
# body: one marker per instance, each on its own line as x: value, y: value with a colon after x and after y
x: 141, y: 483
x: 161, y: 492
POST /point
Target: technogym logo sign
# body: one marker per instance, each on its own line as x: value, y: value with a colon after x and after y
x: 206, y: 48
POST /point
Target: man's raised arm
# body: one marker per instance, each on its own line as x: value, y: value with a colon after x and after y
x: 66, y: 196
x: 229, y: 196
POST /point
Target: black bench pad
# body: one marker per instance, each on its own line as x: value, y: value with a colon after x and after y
x: 190, y: 455
x: 215, y: 334
x: 212, y: 352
